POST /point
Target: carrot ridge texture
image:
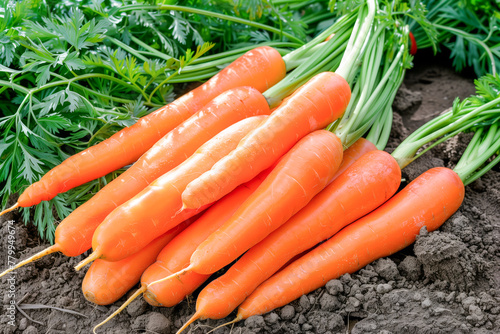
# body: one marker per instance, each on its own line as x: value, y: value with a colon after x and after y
x: 364, y: 186
x: 105, y: 282
x: 74, y: 234
x: 313, y: 106
x: 157, y: 208
x: 303, y: 172
x: 429, y: 201
x: 176, y: 255
x: 260, y: 68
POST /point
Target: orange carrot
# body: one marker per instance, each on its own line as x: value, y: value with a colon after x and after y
x: 260, y: 68
x: 106, y: 282
x: 313, y: 106
x: 157, y: 208
x: 428, y: 201
x: 301, y: 173
x: 73, y: 235
x: 364, y: 186
x: 180, y: 143
x: 176, y: 254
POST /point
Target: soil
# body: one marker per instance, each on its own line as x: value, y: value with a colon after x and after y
x: 447, y: 282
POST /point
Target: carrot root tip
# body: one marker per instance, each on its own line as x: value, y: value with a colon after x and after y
x: 195, y: 317
x: 15, y: 206
x: 90, y: 258
x: 115, y: 313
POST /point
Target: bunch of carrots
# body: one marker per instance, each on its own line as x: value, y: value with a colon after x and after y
x: 260, y: 165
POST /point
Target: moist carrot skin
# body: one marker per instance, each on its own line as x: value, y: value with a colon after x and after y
x: 106, y: 282
x: 74, y: 234
x: 176, y: 255
x: 429, y: 201
x: 353, y: 153
x: 364, y: 186
x: 260, y: 68
x: 158, y: 207
x: 313, y: 106
x: 303, y: 172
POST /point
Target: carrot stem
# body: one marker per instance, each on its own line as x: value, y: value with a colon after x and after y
x: 482, y: 146
x: 94, y: 256
x: 240, y: 51
x: 213, y: 14
x: 15, y: 206
x: 382, y: 71
x: 52, y: 249
x: 381, y: 129
x: 357, y: 40
x: 299, y: 53
x: 115, y: 313
x: 461, y: 117
x: 322, y: 60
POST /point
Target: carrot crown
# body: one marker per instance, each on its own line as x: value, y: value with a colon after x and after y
x: 340, y: 53
x: 375, y: 88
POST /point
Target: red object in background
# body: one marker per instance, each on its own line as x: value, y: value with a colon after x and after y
x: 413, y: 49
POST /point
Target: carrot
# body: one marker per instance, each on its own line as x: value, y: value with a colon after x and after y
x: 428, y: 201
x: 364, y: 186
x: 301, y: 173
x: 180, y: 143
x: 176, y: 254
x: 157, y: 208
x: 313, y: 106
x: 73, y: 235
x: 260, y: 68
x: 106, y: 282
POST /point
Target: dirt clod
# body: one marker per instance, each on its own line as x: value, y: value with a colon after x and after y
x: 411, y: 268
x: 445, y: 257
x: 387, y: 269
x: 158, y: 323
x: 287, y: 312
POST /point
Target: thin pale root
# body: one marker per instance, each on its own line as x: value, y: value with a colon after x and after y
x: 15, y: 206
x: 235, y: 320
x: 195, y: 317
x: 94, y: 256
x: 52, y: 249
x: 131, y: 299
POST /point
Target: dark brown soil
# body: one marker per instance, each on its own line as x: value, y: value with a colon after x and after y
x: 447, y: 282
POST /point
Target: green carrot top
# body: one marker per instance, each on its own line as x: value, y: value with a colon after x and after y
x: 480, y: 114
